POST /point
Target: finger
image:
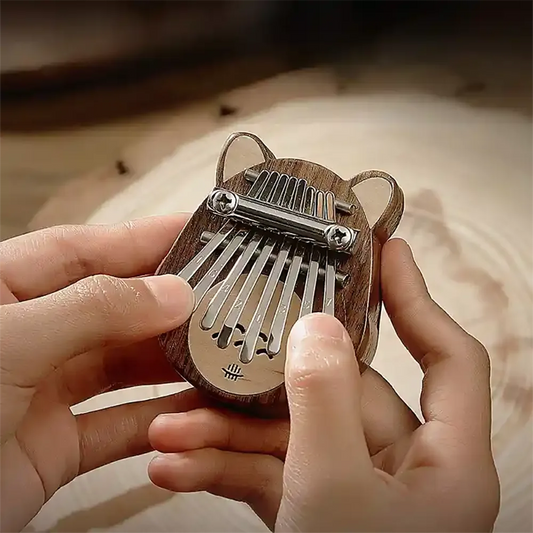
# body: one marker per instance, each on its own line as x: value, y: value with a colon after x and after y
x: 385, y: 416
x: 456, y: 389
x: 216, y: 428
x: 118, y: 432
x: 44, y: 261
x: 251, y: 478
x: 95, y: 312
x: 105, y: 370
x: 324, y: 394
x: 386, y: 419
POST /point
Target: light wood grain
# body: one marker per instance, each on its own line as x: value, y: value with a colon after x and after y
x: 463, y: 158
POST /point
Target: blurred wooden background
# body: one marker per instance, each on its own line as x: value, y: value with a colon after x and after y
x: 81, y: 82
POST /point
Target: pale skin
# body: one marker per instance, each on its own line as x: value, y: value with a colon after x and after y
x: 354, y: 457
x: 80, y: 311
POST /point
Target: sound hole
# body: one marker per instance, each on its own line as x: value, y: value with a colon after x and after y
x: 242, y: 329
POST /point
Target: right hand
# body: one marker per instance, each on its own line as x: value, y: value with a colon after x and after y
x: 357, y: 458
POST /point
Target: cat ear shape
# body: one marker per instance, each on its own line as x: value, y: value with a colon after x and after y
x: 381, y: 199
x: 241, y: 150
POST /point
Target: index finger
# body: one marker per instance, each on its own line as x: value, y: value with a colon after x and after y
x: 48, y: 260
x: 456, y: 387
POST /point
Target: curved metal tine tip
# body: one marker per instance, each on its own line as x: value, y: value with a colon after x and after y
x: 299, y: 197
x: 280, y: 190
x: 259, y: 184
x: 267, y: 191
x: 289, y: 193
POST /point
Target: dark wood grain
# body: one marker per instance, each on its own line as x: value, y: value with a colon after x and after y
x: 357, y: 305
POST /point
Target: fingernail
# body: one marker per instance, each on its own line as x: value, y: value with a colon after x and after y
x: 317, y: 341
x: 168, y: 418
x: 317, y: 326
x: 161, y: 461
x: 168, y: 460
x: 173, y: 294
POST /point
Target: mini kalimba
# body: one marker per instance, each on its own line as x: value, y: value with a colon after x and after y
x: 277, y: 240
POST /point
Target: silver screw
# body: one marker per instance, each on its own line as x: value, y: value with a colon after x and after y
x: 338, y: 237
x: 224, y: 202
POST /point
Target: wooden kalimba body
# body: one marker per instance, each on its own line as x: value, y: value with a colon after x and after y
x: 276, y: 241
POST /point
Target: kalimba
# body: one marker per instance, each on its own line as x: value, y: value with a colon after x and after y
x: 278, y: 240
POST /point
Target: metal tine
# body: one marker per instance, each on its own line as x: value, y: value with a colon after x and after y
x: 320, y: 204
x: 310, y: 283
x: 328, y: 305
x: 309, y: 202
x: 201, y: 257
x: 223, y: 259
x: 268, y: 190
x: 289, y: 193
x: 300, y: 195
x: 343, y: 207
x: 258, y: 184
x: 234, y: 314
x: 280, y: 318
x: 232, y: 318
x: 279, y: 192
x: 251, y: 338
x: 329, y: 213
x: 340, y: 278
x: 219, y: 299
x: 314, y: 258
x: 252, y: 335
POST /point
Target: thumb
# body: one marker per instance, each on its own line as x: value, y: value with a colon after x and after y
x: 99, y: 311
x: 323, y: 384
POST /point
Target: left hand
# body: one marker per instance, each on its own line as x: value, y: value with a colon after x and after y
x: 76, y: 322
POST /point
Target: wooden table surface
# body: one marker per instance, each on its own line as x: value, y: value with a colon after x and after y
x: 458, y: 139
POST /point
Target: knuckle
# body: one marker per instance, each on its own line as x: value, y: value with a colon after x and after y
x: 105, y: 299
x: 65, y: 238
x: 219, y: 474
x: 228, y: 425
x: 217, y: 425
x: 107, y: 290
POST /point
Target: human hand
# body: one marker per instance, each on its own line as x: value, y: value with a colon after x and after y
x: 72, y: 328
x: 356, y: 457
